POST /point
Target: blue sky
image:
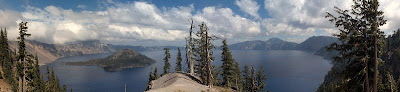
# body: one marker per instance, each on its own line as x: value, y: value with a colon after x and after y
x: 165, y: 22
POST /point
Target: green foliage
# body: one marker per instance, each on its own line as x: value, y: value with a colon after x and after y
x: 246, y: 79
x: 52, y: 83
x: 155, y: 75
x: 7, y: 61
x: 253, y: 81
x: 204, y: 55
x: 216, y: 71
x: 166, y: 61
x: 26, y: 69
x: 21, y: 43
x: 178, y: 66
x: 230, y: 68
x: 260, y: 79
x: 355, y: 63
x: 388, y: 83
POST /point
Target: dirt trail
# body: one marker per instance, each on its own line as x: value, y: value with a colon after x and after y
x: 4, y: 87
x: 180, y: 82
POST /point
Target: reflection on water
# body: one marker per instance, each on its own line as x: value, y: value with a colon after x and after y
x: 287, y: 71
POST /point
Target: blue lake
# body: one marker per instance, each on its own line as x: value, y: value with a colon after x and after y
x: 287, y: 71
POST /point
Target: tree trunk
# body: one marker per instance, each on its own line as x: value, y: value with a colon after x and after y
x: 375, y: 29
x: 253, y: 80
x: 208, y: 61
x: 367, y: 68
x: 191, y: 61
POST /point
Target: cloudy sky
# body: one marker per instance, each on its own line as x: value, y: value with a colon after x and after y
x: 165, y: 22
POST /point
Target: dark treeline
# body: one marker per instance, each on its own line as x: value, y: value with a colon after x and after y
x: 227, y: 75
x: 367, y: 60
x: 20, y: 69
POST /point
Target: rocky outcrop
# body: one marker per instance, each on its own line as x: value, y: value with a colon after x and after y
x: 48, y: 53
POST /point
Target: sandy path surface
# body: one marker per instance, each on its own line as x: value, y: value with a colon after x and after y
x: 179, y: 82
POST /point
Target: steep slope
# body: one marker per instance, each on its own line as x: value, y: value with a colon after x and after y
x: 125, y: 58
x: 271, y: 44
x: 48, y: 53
x: 316, y: 43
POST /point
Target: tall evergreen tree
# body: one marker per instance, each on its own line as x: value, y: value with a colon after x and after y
x: 204, y: 54
x: 6, y: 60
x: 260, y: 79
x: 230, y: 68
x: 22, y: 64
x: 166, y: 60
x: 359, y: 27
x: 246, y: 79
x: 178, y: 66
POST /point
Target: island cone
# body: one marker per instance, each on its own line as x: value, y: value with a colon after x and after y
x: 125, y: 58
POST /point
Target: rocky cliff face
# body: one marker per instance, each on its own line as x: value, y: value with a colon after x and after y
x: 51, y: 52
x: 82, y: 48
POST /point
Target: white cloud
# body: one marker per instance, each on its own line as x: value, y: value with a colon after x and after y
x: 302, y: 15
x: 222, y: 22
x: 81, y: 6
x: 143, y: 23
x: 391, y: 9
x: 130, y: 23
x: 249, y: 6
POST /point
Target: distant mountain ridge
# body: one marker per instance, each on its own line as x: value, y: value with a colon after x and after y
x: 314, y: 43
x: 48, y: 53
x: 271, y: 44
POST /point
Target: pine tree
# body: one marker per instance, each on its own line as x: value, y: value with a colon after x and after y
x: 155, y: 74
x: 216, y: 71
x: 230, y: 68
x: 166, y: 60
x: 6, y: 60
x: 253, y: 86
x: 358, y: 28
x: 178, y: 66
x: 390, y: 84
x: 246, y: 79
x: 2, y: 49
x: 260, y: 79
x: 151, y: 76
x: 22, y: 64
x: 49, y: 82
x: 204, y: 54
